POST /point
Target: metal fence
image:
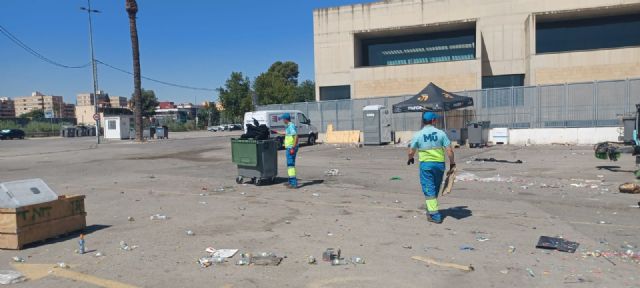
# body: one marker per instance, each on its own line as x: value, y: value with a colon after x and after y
x: 587, y: 104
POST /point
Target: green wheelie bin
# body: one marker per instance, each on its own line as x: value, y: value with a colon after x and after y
x: 256, y: 159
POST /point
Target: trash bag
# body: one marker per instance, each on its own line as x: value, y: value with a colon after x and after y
x: 605, y: 151
x: 257, y: 132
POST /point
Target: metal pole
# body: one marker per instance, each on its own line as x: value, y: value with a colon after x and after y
x: 594, y: 106
x: 196, y: 109
x: 337, y: 120
x: 94, y: 68
x: 566, y: 104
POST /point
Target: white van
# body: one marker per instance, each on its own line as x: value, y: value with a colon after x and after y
x: 307, y: 133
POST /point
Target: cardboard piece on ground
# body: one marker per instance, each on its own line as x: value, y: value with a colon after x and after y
x: 271, y: 260
x: 342, y: 137
x: 448, y: 181
x: 432, y: 261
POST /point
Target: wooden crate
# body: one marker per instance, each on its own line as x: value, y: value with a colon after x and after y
x: 37, y: 222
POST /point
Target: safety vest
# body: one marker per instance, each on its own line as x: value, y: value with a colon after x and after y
x: 434, y: 154
x: 290, y: 136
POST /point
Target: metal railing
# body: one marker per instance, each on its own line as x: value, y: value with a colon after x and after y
x: 585, y: 104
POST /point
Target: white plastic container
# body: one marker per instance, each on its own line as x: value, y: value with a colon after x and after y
x: 21, y: 193
x: 500, y: 135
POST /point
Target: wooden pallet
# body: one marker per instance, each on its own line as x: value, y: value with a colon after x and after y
x: 38, y: 222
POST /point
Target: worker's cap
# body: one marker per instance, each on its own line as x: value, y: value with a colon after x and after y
x: 430, y: 116
x: 285, y: 116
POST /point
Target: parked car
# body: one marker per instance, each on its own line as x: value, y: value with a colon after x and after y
x: 212, y: 128
x: 307, y: 133
x: 235, y: 127
x: 11, y: 134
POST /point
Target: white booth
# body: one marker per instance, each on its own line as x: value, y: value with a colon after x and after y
x: 118, y: 127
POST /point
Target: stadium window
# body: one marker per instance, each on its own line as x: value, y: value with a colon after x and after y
x: 335, y: 92
x: 587, y: 34
x: 433, y: 47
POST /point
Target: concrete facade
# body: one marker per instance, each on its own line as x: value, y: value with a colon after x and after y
x: 38, y: 101
x: 87, y: 99
x: 84, y: 114
x: 69, y: 111
x: 118, y: 101
x: 505, y: 44
x: 7, y: 108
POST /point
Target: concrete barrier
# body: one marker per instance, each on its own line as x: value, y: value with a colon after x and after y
x: 541, y: 136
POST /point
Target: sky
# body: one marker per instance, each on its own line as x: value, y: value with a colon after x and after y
x: 196, y: 43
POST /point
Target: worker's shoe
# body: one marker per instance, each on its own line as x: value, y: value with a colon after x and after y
x: 434, y: 217
x: 290, y: 186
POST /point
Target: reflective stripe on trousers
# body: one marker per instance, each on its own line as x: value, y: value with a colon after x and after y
x: 291, y: 165
x: 431, y: 174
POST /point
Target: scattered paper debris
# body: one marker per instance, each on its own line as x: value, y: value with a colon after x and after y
x: 18, y: 259
x: 482, y: 239
x: 11, y: 277
x: 332, y: 172
x: 224, y: 253
x: 531, y: 272
x: 159, y: 217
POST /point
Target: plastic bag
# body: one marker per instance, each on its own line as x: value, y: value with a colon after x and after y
x: 11, y: 277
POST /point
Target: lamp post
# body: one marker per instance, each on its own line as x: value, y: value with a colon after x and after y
x: 93, y: 66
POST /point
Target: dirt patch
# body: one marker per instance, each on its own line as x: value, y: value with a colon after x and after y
x: 189, y: 155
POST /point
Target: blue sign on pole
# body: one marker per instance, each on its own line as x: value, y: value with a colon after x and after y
x: 48, y: 114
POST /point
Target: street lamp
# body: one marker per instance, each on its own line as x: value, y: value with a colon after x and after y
x: 95, y: 70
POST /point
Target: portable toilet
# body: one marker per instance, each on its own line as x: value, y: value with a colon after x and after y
x: 376, y: 125
x: 117, y: 127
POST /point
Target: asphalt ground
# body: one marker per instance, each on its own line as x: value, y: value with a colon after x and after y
x: 492, y: 223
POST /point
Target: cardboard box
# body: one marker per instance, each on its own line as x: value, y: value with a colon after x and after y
x: 38, y: 222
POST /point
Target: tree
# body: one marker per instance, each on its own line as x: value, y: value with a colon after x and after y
x: 208, y: 116
x: 33, y: 114
x: 235, y: 96
x: 306, y: 91
x: 278, y: 84
x: 287, y: 70
x: 132, y: 9
x: 149, y: 102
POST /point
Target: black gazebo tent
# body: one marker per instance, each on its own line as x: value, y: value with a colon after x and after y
x: 435, y: 99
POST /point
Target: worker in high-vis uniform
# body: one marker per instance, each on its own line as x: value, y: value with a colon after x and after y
x: 431, y: 144
x: 291, y: 146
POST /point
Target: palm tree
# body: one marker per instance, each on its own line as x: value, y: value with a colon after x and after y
x: 132, y: 9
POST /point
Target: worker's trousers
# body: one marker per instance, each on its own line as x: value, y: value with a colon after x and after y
x: 291, y: 165
x: 431, y: 174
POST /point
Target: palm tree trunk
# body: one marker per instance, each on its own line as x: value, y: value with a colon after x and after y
x: 132, y: 9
